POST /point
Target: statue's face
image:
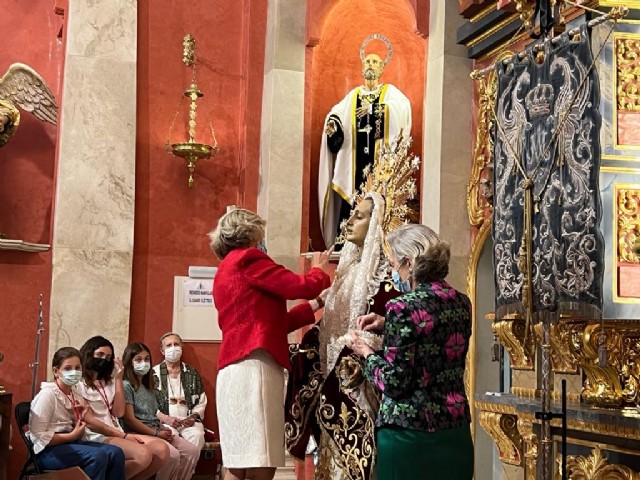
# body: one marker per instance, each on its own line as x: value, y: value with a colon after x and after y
x: 372, y: 67
x: 358, y: 223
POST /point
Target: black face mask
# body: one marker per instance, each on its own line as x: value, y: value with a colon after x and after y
x: 101, y: 366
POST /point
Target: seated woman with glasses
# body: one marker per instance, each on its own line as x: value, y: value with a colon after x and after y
x: 180, y: 392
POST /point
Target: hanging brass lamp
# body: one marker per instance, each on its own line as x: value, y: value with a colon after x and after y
x: 191, y: 150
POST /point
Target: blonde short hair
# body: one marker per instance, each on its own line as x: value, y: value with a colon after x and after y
x: 239, y: 228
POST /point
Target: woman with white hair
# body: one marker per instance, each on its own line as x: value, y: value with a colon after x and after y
x: 423, y: 423
x: 250, y: 293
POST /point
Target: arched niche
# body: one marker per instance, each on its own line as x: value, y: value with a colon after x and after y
x: 335, y: 31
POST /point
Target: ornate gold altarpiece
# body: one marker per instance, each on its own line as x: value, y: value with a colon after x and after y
x: 603, y: 402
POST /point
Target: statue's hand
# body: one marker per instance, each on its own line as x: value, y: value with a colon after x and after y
x: 362, y: 111
x: 330, y: 129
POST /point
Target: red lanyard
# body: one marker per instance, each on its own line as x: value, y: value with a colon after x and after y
x: 77, y: 412
x: 103, y: 393
x: 105, y: 398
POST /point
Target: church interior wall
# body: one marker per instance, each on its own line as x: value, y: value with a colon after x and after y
x: 172, y: 220
x: 27, y: 179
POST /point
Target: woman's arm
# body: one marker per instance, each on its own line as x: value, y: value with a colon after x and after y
x: 117, y: 409
x: 300, y: 316
x: 392, y: 373
x: 42, y: 420
x: 129, y: 416
x: 262, y: 272
x: 136, y: 425
x: 76, y: 434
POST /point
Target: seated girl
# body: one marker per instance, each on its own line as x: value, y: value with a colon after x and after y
x: 140, y: 413
x: 102, y: 388
x: 57, y: 425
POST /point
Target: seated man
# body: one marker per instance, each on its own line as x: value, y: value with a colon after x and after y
x: 180, y: 393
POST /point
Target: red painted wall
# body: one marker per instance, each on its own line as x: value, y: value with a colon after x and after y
x: 333, y: 68
x: 172, y: 220
x: 27, y: 166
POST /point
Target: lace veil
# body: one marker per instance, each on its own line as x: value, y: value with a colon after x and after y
x: 357, y: 280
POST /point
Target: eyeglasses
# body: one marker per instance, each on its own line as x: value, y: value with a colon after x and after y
x: 175, y: 401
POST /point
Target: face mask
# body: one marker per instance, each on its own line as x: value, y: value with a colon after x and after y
x: 141, y: 368
x: 262, y: 247
x: 401, y: 286
x: 101, y: 366
x: 173, y: 354
x: 71, y: 377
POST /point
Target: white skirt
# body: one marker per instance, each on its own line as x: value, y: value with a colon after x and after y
x: 250, y: 404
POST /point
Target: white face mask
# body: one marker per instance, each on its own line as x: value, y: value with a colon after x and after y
x: 173, y: 354
x: 71, y: 377
x: 141, y: 368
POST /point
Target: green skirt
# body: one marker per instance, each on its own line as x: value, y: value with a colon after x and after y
x: 411, y: 455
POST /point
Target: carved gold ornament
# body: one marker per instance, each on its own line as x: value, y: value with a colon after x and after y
x: 350, y: 373
x: 511, y: 331
x: 562, y: 361
x: 596, y: 467
x: 530, y: 441
x: 21, y: 86
x: 617, y: 383
x: 525, y: 8
x: 574, y: 343
x: 392, y: 175
x: 628, y: 73
x: 628, y: 210
x: 479, y: 188
x: 503, y: 429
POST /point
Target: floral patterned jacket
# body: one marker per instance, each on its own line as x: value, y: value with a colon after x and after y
x: 421, y: 367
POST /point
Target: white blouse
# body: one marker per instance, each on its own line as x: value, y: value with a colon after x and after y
x: 96, y: 401
x: 51, y: 412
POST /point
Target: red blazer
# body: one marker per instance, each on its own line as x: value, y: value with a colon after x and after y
x: 250, y: 292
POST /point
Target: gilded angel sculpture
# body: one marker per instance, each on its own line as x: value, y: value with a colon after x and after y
x: 21, y: 86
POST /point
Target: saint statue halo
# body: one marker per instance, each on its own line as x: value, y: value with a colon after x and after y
x: 383, y: 39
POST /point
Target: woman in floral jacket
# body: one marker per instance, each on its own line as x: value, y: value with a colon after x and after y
x: 424, y: 420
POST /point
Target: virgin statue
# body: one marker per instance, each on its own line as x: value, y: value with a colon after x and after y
x: 327, y: 396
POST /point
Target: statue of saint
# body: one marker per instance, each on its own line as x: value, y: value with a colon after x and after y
x: 328, y: 397
x: 22, y: 86
x: 369, y: 116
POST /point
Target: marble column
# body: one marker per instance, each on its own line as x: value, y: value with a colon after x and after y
x: 281, y: 142
x: 447, y: 137
x: 448, y: 142
x: 94, y: 208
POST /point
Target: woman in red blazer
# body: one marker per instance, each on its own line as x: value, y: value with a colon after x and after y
x: 250, y: 292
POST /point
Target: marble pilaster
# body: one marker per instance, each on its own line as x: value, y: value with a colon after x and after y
x: 447, y: 137
x: 281, y: 143
x: 93, y: 220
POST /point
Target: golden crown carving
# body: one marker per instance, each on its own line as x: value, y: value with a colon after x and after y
x: 392, y: 175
